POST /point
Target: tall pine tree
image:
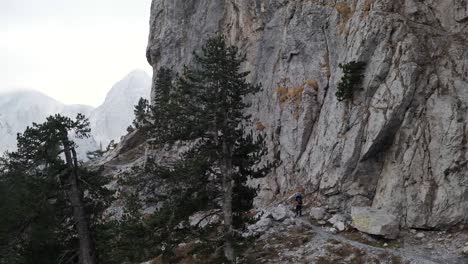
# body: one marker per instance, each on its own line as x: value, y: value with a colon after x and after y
x: 41, y: 148
x: 212, y: 95
x: 206, y: 104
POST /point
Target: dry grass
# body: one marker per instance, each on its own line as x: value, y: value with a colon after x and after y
x: 346, y: 13
x: 282, y: 93
x: 368, y: 240
x: 392, y: 258
x: 259, y: 126
x: 342, y: 253
x: 293, y: 94
x: 312, y: 84
x: 325, y: 64
x: 367, y: 7
x: 268, y: 249
x: 159, y: 260
x: 296, y: 114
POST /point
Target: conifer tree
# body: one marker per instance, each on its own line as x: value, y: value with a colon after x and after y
x: 212, y: 96
x: 40, y: 148
x: 163, y: 86
x: 141, y: 112
x: 162, y: 110
x: 30, y: 216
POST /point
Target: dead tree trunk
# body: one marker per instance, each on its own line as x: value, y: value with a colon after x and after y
x: 87, y: 253
x: 226, y: 169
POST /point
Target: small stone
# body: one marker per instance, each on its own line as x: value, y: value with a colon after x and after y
x: 440, y: 239
x: 385, y: 245
x: 420, y: 235
x: 413, y: 231
x: 337, y: 218
x: 340, y: 226
x: 465, y: 251
x: 321, y: 222
x: 429, y: 246
x: 289, y: 221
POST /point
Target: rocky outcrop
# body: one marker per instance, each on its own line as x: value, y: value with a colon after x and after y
x: 400, y: 144
x: 375, y: 222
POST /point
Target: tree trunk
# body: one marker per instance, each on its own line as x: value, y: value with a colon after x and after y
x: 226, y: 169
x: 86, y: 255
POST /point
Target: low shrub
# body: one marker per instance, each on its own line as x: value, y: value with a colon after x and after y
x: 352, y: 77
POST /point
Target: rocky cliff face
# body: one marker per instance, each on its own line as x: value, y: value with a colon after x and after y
x: 401, y: 144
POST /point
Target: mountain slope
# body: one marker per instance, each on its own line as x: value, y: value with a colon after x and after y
x: 110, y: 120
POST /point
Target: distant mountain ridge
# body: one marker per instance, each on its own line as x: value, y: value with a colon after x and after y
x: 20, y: 108
x: 110, y: 120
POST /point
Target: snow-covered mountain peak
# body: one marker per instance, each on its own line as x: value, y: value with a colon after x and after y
x: 132, y: 85
x: 110, y: 120
x: 21, y: 107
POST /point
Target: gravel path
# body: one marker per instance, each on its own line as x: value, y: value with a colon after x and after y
x: 299, y: 241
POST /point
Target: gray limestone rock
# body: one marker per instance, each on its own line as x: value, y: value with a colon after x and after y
x: 205, y: 218
x: 399, y: 144
x: 261, y: 226
x: 281, y: 212
x: 375, y: 222
x: 338, y: 221
x: 317, y: 213
x: 465, y: 251
x: 420, y: 235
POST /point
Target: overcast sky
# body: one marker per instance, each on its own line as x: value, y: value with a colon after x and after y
x: 72, y: 50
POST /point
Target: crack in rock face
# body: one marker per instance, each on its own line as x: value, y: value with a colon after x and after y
x: 400, y: 144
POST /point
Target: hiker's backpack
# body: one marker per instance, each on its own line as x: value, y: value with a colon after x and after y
x: 299, y: 199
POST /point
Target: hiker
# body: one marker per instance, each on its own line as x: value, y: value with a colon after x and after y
x: 298, y: 201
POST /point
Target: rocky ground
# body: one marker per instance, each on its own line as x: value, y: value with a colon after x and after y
x: 320, y: 236
x: 302, y: 240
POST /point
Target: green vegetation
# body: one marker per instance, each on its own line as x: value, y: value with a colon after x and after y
x: 52, y: 209
x: 206, y: 104
x: 351, y: 79
x: 45, y: 217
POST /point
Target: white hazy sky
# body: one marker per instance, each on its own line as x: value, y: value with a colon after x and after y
x: 71, y: 50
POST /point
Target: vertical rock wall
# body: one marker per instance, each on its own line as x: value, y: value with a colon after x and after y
x: 400, y: 144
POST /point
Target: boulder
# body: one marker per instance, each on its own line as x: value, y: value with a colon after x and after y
x: 262, y: 214
x: 261, y: 226
x: 465, y: 251
x: 205, y: 218
x: 289, y: 221
x: 375, y: 222
x: 338, y: 221
x: 317, y: 213
x: 281, y: 212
